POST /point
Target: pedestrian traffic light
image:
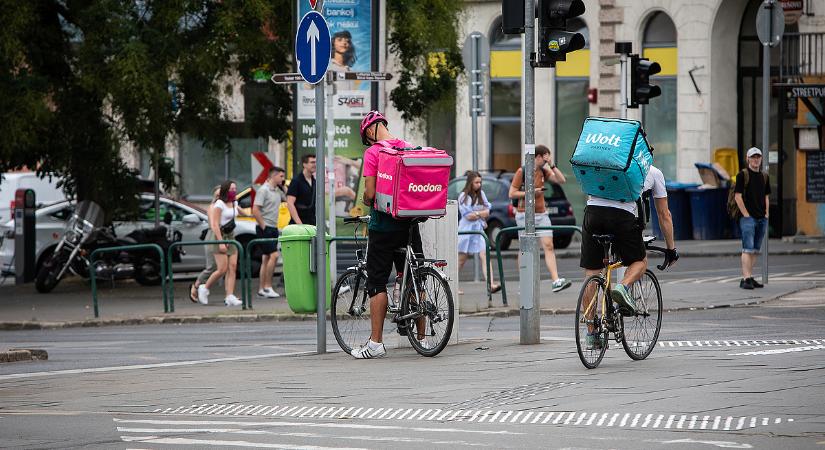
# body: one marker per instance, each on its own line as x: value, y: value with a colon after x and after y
x: 641, y: 91
x: 555, y: 41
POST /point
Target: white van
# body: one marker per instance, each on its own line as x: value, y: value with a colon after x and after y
x: 45, y: 191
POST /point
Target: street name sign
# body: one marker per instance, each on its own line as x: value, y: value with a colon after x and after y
x: 312, y: 47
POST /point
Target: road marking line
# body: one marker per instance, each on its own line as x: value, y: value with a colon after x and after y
x: 365, y: 413
x: 173, y: 412
x: 323, y: 408
x: 437, y: 412
x: 213, y: 442
x: 601, y: 420
x: 221, y: 409
x: 345, y: 413
x: 635, y: 421
x: 716, y: 422
x: 472, y: 419
x: 753, y: 422
x: 17, y: 376
x: 681, y: 422
x: 778, y: 351
x: 375, y: 413
x: 704, y: 423
x: 741, y: 423
x: 669, y: 421
x: 558, y: 418
x: 299, y: 411
x: 447, y: 413
x: 518, y: 414
x: 581, y: 417
x: 591, y: 419
x: 210, y: 410
x: 355, y: 414
x: 504, y: 419
x: 646, y: 422
x: 236, y: 408
x: 406, y: 411
x: 623, y: 423
x: 727, y: 423
x: 538, y: 416
x: 765, y: 421
x: 397, y: 412
x: 252, y: 411
x: 692, y: 423
x: 283, y: 410
x: 389, y: 410
x: 414, y: 414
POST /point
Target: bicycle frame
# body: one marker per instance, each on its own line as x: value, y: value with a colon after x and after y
x: 610, y: 266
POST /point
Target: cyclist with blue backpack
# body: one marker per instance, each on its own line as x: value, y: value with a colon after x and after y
x: 386, y: 235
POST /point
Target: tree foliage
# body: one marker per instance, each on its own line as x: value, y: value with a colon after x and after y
x: 424, y: 35
x: 79, y: 79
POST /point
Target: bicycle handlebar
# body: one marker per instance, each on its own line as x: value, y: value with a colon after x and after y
x: 667, y: 263
x: 359, y: 219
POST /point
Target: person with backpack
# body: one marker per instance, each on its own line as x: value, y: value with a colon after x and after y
x: 542, y: 173
x: 386, y: 234
x: 752, y: 200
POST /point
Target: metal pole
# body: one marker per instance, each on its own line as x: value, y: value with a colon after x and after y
x: 530, y: 307
x: 157, y: 188
x: 475, y: 92
x: 766, y: 105
x: 331, y: 169
x: 320, y: 222
x: 623, y: 82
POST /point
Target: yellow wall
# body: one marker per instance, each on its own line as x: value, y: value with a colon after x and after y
x: 508, y: 64
x: 666, y: 57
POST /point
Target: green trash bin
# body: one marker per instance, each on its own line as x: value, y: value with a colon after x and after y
x: 299, y: 283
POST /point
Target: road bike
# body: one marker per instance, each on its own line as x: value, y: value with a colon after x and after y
x: 598, y: 316
x: 424, y: 312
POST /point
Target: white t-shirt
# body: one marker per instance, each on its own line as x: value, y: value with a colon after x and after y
x: 227, y: 212
x: 655, y: 181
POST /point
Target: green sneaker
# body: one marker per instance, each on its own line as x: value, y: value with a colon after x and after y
x: 593, y: 341
x: 620, y: 295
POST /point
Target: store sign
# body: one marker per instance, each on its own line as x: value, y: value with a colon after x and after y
x: 793, y: 10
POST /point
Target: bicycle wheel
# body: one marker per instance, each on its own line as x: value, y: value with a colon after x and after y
x: 641, y: 331
x: 430, y: 328
x: 350, y: 307
x: 589, y: 321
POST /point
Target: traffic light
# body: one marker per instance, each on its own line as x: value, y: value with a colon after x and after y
x: 554, y: 41
x: 641, y: 91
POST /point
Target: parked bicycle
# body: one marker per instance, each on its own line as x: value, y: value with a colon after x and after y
x: 598, y: 316
x: 424, y: 312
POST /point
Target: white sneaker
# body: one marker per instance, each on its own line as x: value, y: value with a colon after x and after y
x: 231, y: 300
x: 561, y: 284
x: 268, y: 293
x: 370, y: 350
x: 203, y: 295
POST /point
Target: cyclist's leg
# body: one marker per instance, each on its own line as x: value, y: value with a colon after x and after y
x: 379, y: 264
x: 418, y: 249
x: 629, y: 246
x: 592, y: 259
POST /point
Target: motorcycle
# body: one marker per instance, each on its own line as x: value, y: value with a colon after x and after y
x: 85, y: 233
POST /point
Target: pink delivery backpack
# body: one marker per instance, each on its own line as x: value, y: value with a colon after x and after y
x: 412, y: 182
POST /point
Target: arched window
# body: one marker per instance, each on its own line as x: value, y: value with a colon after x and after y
x: 659, y: 44
x: 505, y: 99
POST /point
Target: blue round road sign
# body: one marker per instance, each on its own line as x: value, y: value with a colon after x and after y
x: 312, y: 47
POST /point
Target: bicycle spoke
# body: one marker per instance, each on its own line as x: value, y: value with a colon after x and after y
x: 641, y: 331
x: 591, y: 336
x: 350, y: 311
x: 431, y: 325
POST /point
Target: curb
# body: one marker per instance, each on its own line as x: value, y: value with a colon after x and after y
x: 511, y: 312
x: 19, y: 354
x: 565, y: 254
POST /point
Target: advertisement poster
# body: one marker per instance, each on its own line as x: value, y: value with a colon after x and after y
x: 350, y: 24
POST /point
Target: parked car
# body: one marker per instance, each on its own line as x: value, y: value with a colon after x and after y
x: 189, y: 219
x: 45, y: 191
x: 496, y: 186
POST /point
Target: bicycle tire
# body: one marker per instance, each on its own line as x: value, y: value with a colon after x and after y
x: 591, y: 357
x: 640, y: 332
x: 350, y: 310
x: 434, y: 288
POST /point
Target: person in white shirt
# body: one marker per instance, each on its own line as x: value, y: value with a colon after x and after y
x: 604, y: 216
x: 222, y: 222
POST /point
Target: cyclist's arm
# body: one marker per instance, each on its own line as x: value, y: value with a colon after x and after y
x: 665, y: 221
x: 369, y: 191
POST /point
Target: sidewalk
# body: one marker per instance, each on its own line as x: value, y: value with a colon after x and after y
x: 21, y: 307
x: 724, y: 247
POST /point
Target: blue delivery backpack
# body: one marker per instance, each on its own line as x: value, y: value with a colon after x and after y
x: 612, y: 158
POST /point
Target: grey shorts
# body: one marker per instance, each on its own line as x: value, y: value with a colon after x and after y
x: 542, y: 220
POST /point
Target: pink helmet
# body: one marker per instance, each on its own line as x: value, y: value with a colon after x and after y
x: 370, y: 119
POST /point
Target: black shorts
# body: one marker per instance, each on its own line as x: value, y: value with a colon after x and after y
x: 382, y: 254
x: 267, y: 248
x: 623, y: 225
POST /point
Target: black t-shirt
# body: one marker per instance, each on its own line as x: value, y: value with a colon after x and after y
x: 304, y: 194
x: 758, y: 187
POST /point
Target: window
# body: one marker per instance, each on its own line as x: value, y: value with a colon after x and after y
x: 205, y: 168
x: 147, y: 211
x: 659, y: 117
x: 505, y: 99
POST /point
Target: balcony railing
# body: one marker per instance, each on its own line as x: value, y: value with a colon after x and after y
x: 802, y: 55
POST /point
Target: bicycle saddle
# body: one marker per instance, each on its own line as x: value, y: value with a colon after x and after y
x: 603, y: 238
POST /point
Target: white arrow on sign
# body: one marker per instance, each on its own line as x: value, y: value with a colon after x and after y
x: 313, y: 36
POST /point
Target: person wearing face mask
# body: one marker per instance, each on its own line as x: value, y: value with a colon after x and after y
x: 222, y: 222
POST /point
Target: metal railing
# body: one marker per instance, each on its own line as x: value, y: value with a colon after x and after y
x: 802, y: 55
x: 489, y: 264
x: 241, y: 273
x: 248, y: 261
x: 515, y: 230
x: 93, y: 277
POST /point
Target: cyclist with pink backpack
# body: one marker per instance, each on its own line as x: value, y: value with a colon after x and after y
x: 401, y: 183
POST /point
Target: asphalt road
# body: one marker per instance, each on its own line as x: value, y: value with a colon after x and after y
x: 749, y: 377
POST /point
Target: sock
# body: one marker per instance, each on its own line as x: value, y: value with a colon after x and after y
x: 374, y: 345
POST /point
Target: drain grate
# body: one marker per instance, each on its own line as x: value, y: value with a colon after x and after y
x: 509, y: 396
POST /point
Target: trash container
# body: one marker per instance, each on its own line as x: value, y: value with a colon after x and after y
x: 299, y: 283
x: 709, y: 214
x: 678, y: 201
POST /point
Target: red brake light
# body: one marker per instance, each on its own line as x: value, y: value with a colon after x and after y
x: 11, y: 206
x: 570, y: 210
x: 510, y: 211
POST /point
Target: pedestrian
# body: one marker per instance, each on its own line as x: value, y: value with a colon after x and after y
x: 474, y: 209
x: 265, y: 209
x: 542, y: 174
x: 210, y: 259
x: 222, y: 222
x: 752, y: 196
x: 300, y: 196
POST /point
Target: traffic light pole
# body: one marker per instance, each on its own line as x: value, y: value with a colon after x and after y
x: 530, y: 307
x: 766, y: 117
x: 623, y: 81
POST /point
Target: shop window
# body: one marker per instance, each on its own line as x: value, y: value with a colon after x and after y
x: 659, y: 117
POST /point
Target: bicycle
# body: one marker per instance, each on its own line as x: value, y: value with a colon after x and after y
x: 637, y: 332
x: 425, y: 313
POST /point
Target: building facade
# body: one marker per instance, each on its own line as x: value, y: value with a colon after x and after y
x: 710, y: 107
